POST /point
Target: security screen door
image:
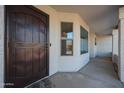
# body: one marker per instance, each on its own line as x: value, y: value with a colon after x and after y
x: 27, y: 45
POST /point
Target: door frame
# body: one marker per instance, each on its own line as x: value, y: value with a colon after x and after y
x: 6, y: 33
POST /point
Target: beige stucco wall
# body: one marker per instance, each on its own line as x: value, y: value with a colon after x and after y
x: 56, y: 61
x: 75, y: 62
x: 104, y: 45
x: 115, y: 46
x: 65, y: 63
x: 1, y: 45
x: 92, y: 45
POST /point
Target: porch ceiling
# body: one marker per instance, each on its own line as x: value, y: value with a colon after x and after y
x: 101, y: 18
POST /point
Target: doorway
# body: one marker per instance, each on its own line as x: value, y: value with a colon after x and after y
x: 27, y: 45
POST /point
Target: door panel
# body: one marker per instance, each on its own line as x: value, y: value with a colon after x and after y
x: 27, y: 31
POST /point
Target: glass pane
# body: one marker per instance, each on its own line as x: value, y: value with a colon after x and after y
x: 66, y: 30
x: 84, y: 40
x: 66, y: 47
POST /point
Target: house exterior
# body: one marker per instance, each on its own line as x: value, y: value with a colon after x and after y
x: 72, y: 59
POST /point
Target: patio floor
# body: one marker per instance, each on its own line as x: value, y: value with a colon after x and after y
x: 98, y: 73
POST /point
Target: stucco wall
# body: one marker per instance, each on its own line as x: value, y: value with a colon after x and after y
x: 65, y: 63
x: 92, y: 45
x: 104, y: 45
x: 1, y: 45
x: 75, y: 62
x: 56, y: 61
x: 115, y: 46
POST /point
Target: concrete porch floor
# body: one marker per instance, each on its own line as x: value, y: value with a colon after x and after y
x: 99, y: 73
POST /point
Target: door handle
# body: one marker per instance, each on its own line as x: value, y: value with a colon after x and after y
x: 48, y: 44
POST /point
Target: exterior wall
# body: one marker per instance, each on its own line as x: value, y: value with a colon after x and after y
x: 92, y: 45
x: 75, y: 62
x: 56, y: 61
x: 84, y: 58
x: 104, y: 45
x: 115, y: 46
x: 1, y: 46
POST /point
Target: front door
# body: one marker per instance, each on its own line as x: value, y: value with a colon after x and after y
x: 26, y: 45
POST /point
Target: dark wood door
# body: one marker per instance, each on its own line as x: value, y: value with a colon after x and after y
x: 27, y: 45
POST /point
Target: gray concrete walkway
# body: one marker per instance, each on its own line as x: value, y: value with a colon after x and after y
x: 99, y: 73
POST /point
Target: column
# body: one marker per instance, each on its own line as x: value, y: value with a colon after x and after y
x: 115, y: 45
x: 121, y: 44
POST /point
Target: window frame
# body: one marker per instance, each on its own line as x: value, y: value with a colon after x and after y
x: 81, y: 27
x: 66, y: 39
